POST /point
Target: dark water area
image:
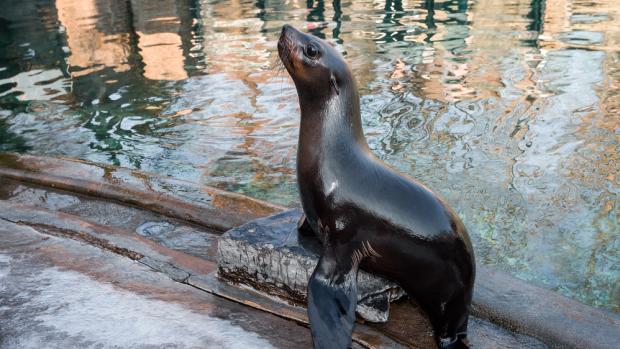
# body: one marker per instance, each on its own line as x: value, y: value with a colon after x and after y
x: 508, y: 109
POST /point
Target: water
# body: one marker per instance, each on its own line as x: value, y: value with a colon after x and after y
x: 509, y: 109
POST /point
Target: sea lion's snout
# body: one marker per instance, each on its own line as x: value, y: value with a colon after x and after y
x: 286, y: 47
x: 284, y: 41
x: 289, y: 35
x: 288, y: 28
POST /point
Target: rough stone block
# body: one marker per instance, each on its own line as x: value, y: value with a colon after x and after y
x: 269, y: 255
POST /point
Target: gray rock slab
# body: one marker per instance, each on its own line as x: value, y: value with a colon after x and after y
x: 270, y: 255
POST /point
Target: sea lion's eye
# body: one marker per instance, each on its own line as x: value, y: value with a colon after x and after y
x: 312, y: 51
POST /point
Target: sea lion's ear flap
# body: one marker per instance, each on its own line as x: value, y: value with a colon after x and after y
x: 334, y: 84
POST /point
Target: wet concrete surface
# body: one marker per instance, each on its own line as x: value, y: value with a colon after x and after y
x: 60, y: 293
x: 195, y: 240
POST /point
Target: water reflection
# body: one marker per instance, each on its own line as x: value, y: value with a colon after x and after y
x: 507, y: 108
x: 97, y: 35
x: 157, y: 25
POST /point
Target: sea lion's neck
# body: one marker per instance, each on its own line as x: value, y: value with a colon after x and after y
x: 330, y: 126
x: 331, y: 146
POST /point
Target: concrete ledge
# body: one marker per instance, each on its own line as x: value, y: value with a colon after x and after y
x: 204, y: 205
x: 556, y: 320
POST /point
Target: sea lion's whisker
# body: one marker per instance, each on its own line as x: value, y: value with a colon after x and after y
x: 281, y: 70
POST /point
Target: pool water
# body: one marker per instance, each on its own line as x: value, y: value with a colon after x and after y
x: 508, y: 109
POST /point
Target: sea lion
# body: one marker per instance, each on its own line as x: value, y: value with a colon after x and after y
x: 366, y: 213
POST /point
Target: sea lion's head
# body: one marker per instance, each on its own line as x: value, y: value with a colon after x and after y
x: 316, y: 67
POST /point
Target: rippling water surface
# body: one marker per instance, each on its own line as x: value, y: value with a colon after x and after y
x: 509, y: 109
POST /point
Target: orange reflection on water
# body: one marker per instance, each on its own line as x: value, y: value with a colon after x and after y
x: 157, y: 25
x: 99, y: 36
x: 93, y: 49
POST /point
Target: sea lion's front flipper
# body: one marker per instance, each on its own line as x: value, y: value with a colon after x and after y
x: 304, y: 227
x: 332, y: 298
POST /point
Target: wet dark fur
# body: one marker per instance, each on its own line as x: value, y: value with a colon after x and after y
x: 366, y: 213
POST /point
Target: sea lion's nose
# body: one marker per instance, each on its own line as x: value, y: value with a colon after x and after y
x: 287, y: 29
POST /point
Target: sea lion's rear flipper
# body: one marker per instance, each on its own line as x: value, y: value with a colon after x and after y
x: 332, y: 298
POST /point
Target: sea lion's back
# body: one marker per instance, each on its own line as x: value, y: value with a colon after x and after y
x: 401, y: 201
